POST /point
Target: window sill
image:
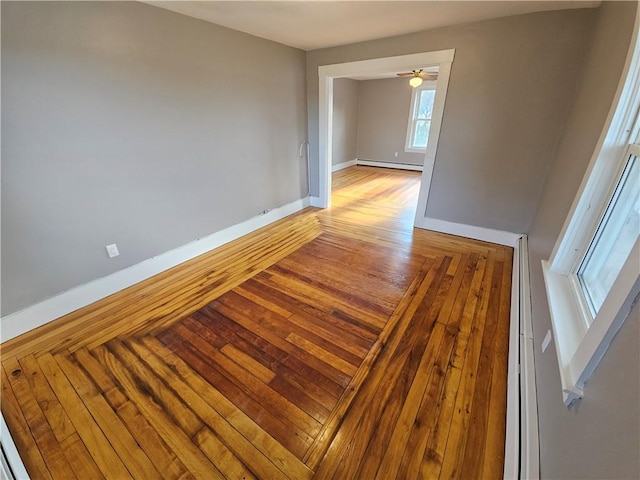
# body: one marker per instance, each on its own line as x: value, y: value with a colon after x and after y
x: 415, y: 150
x: 579, y: 350
x: 567, y: 325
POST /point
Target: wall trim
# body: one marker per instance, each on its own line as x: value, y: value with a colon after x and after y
x: 469, y: 231
x: 41, y: 313
x: 343, y: 165
x: 315, y: 202
x: 327, y: 73
x: 399, y: 166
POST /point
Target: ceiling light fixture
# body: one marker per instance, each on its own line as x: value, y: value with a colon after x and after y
x: 415, y: 81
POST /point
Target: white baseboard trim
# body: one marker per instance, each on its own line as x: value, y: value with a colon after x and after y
x: 399, y: 166
x: 343, y: 165
x: 469, y: 231
x: 315, y: 202
x: 41, y: 313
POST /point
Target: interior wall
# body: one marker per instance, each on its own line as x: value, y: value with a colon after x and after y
x: 345, y: 120
x: 599, y: 437
x: 382, y: 121
x: 511, y: 83
x: 126, y: 123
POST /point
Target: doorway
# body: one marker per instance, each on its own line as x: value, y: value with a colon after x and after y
x: 327, y: 73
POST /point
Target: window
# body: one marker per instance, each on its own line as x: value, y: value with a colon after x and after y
x: 593, y: 276
x: 614, y: 239
x: 422, y: 100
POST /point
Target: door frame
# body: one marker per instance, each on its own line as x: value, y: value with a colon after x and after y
x: 441, y: 58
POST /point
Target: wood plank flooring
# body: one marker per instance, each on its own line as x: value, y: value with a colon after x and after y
x: 338, y: 343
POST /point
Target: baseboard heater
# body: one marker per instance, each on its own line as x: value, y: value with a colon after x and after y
x: 11, y: 466
x: 371, y: 163
x: 522, y: 441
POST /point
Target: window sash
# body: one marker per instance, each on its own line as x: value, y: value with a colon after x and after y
x: 607, y: 236
x: 582, y: 338
x: 414, y: 134
x: 411, y: 144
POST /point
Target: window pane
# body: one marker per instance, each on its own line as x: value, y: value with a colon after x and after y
x: 421, y: 134
x: 614, y: 238
x: 425, y: 108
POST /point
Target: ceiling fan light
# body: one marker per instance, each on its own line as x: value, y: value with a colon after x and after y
x: 415, y: 82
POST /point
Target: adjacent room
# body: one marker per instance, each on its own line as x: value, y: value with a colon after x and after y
x: 382, y: 121
x: 320, y: 239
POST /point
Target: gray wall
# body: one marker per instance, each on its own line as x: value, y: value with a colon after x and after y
x: 382, y: 121
x: 345, y: 120
x: 126, y: 123
x: 511, y: 83
x: 600, y: 436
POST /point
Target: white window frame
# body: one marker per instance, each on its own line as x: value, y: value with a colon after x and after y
x: 581, y: 340
x: 411, y: 125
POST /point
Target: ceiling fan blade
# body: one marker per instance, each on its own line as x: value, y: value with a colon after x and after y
x: 419, y: 73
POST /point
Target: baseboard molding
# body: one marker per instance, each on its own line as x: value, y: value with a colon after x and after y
x: 469, y: 231
x: 42, y: 313
x: 399, y: 166
x: 343, y: 165
x: 315, y: 202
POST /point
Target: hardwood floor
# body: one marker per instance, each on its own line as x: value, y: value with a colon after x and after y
x: 333, y: 344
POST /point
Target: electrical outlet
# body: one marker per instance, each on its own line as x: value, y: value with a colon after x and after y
x: 547, y: 341
x: 396, y: 154
x: 112, y: 250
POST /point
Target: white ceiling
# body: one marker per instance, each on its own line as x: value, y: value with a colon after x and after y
x: 310, y: 25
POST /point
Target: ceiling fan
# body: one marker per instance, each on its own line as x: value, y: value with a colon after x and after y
x: 417, y: 76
